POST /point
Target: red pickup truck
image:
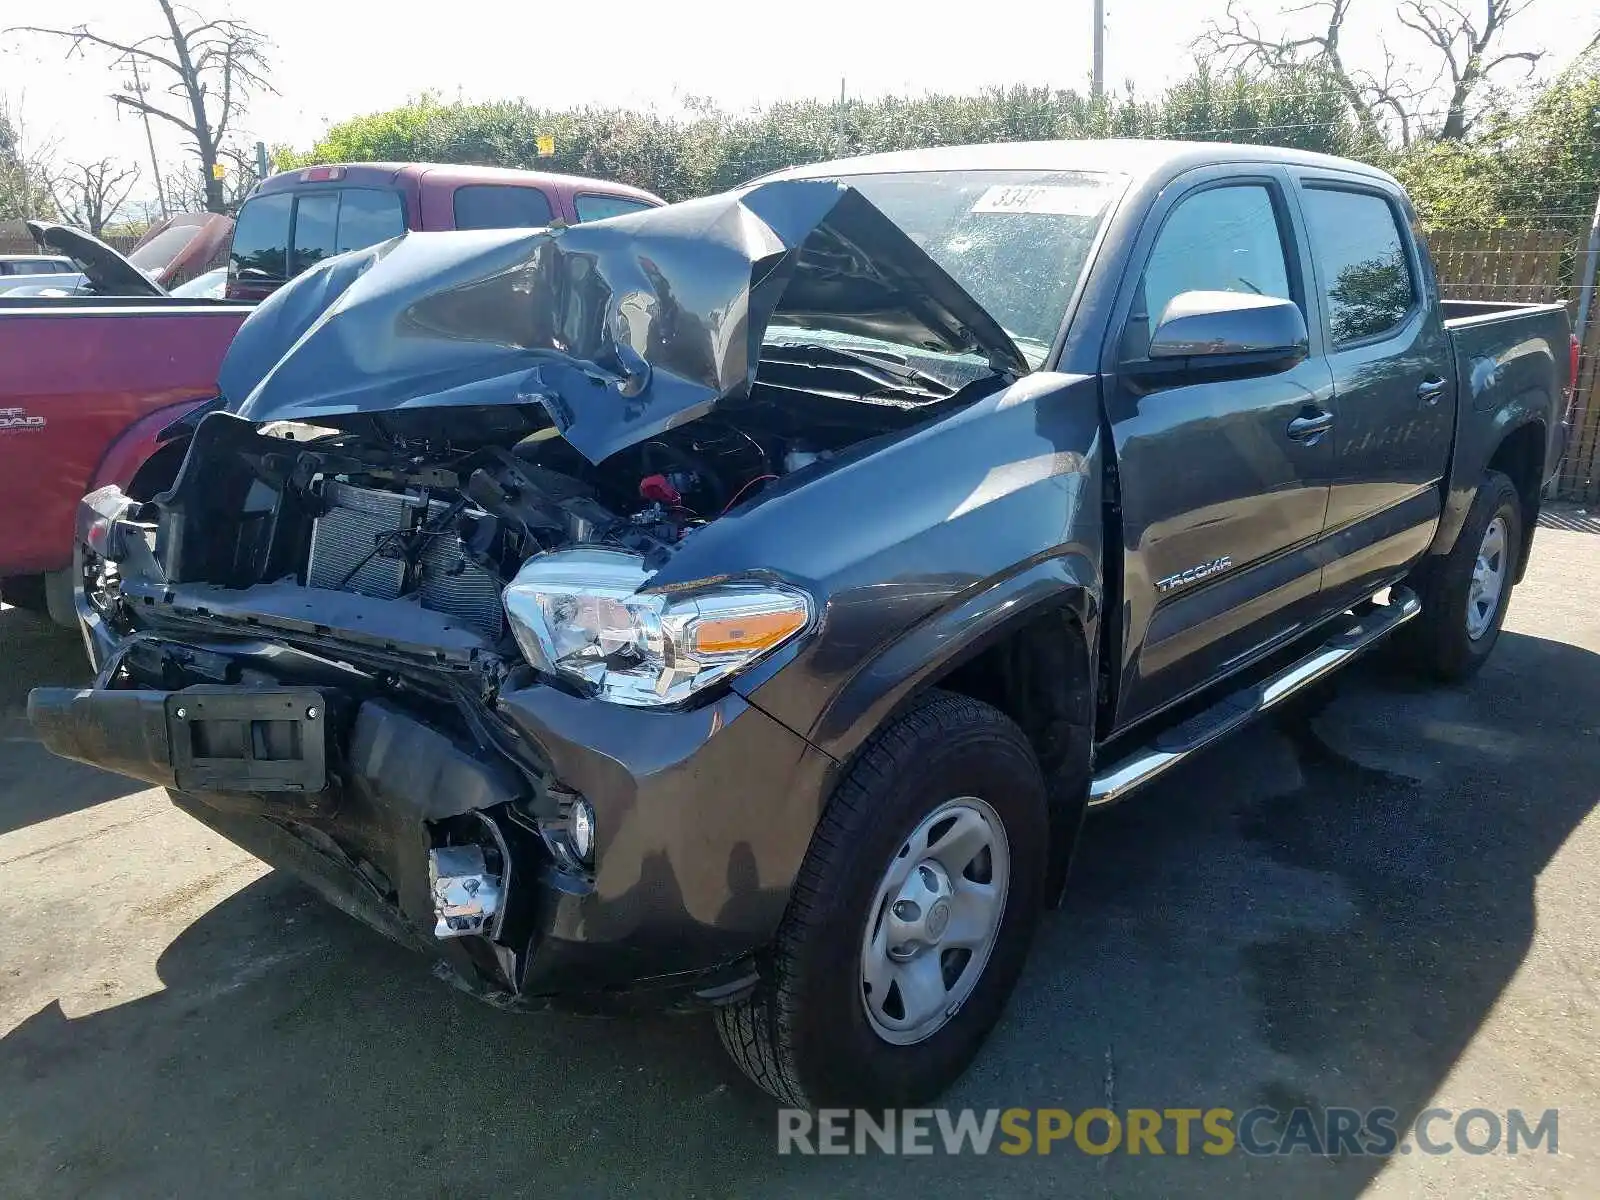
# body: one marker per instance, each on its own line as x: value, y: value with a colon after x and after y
x: 88, y: 382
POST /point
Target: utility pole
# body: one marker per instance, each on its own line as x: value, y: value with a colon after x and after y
x: 839, y: 132
x: 150, y: 139
x: 1097, y: 78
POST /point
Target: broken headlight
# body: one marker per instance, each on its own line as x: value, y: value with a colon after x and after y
x: 579, y: 614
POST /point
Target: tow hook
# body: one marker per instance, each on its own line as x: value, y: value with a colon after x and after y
x: 467, y: 895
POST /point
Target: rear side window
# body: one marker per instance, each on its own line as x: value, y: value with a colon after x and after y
x: 316, y: 225
x: 1362, y: 265
x: 325, y: 222
x: 368, y: 216
x: 261, y: 239
x: 1224, y: 239
x: 501, y: 206
x: 592, y: 206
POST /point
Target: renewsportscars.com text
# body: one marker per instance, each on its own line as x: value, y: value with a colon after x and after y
x: 1177, y: 1131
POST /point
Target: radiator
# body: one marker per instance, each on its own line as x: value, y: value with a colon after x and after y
x: 354, y: 522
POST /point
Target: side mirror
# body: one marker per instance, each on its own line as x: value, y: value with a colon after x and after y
x: 1230, y: 328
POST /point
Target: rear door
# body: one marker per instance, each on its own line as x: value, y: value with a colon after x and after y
x: 1392, y: 380
x: 1223, y: 499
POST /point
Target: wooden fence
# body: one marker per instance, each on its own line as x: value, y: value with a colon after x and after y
x: 21, y: 243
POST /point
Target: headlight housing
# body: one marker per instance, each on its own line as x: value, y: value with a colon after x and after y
x: 578, y: 614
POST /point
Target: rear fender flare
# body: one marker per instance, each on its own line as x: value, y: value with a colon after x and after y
x: 1473, y: 449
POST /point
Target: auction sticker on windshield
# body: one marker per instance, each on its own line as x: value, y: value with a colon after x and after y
x: 1052, y: 199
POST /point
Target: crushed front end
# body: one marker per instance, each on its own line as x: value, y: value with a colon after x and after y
x: 451, y: 603
x: 305, y: 640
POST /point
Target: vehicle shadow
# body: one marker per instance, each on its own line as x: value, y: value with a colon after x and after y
x: 1323, y: 914
x: 34, y: 784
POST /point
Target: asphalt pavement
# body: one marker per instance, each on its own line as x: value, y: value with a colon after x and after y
x: 1385, y: 897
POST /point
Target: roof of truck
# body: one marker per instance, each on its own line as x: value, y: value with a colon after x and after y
x: 457, y: 174
x: 1127, y: 156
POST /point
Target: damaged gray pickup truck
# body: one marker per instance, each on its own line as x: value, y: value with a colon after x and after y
x: 739, y: 604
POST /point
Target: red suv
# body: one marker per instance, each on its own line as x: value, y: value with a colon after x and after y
x: 298, y: 218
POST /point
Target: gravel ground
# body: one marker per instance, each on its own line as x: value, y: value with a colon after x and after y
x: 1383, y: 897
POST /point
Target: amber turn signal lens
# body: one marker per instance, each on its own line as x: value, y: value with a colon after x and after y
x: 739, y: 634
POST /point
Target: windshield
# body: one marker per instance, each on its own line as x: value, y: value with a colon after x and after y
x: 160, y: 251
x: 1017, y: 241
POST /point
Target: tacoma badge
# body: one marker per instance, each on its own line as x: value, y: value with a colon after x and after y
x: 1194, y: 574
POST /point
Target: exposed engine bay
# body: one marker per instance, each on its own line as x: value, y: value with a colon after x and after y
x: 441, y: 507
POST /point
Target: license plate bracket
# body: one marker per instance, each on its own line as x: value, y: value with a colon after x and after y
x: 248, y: 740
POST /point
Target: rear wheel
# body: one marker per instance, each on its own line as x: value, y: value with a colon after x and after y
x: 1465, y: 594
x: 910, y: 920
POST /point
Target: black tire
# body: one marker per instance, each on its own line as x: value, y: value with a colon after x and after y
x: 25, y: 592
x: 1438, y: 642
x: 804, y: 1035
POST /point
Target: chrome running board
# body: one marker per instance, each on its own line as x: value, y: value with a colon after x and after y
x: 1178, y: 743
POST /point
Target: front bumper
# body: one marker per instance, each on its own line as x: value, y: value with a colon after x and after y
x: 702, y: 820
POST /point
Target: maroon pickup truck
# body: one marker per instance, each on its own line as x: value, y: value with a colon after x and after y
x: 89, y: 382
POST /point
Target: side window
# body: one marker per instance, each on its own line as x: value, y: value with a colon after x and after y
x: 592, y: 206
x: 316, y: 220
x: 1224, y: 239
x: 501, y: 206
x: 368, y: 216
x: 1362, y: 264
x: 260, y: 249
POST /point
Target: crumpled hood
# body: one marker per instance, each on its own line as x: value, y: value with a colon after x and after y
x: 620, y: 328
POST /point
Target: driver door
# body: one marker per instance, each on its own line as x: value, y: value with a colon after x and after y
x: 1224, y: 493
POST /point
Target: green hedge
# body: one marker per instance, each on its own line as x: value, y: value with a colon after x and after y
x: 1537, y: 167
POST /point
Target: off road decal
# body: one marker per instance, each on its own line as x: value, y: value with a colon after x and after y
x: 13, y: 419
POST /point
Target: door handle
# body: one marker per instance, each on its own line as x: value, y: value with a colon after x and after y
x: 1309, y: 427
x: 1429, y: 390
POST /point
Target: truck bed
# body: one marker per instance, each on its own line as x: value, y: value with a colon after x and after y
x: 1457, y: 313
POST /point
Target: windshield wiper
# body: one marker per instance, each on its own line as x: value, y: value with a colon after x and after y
x: 883, y: 367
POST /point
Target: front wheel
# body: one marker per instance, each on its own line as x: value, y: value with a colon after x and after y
x: 910, y: 919
x: 1466, y: 593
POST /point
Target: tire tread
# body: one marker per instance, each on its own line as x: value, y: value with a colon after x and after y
x: 759, y: 1031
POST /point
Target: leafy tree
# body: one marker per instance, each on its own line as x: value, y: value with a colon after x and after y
x: 24, y: 172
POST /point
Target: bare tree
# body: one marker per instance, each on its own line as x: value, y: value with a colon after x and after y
x: 1462, y: 48
x: 90, y: 195
x: 212, y: 67
x: 1466, y: 49
x: 187, y: 189
x: 1241, y: 43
